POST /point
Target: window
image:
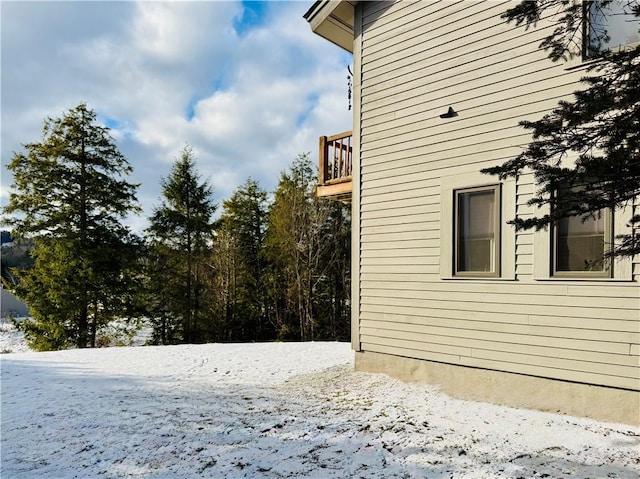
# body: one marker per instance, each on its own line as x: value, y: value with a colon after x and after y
x: 579, y: 245
x: 609, y: 27
x: 574, y: 250
x: 477, y: 231
x: 459, y: 223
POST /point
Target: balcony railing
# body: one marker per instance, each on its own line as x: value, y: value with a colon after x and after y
x: 336, y: 155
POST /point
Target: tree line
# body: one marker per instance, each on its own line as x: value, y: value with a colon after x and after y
x: 267, y: 267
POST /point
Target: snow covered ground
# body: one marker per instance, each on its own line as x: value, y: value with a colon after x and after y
x: 275, y: 410
x: 11, y: 340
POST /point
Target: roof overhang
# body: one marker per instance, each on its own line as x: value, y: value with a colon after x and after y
x: 333, y: 20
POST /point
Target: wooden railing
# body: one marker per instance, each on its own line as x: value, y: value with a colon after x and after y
x: 336, y: 155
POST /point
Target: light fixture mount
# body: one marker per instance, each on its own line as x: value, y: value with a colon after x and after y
x: 450, y: 113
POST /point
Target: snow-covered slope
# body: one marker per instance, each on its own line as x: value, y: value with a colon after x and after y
x: 274, y: 410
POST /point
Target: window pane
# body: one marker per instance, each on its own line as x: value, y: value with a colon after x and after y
x: 476, y: 231
x: 580, y: 244
x: 617, y: 21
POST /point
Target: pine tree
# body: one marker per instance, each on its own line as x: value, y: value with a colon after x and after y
x: 600, y: 127
x: 163, y: 268
x: 70, y: 193
x: 241, y: 235
x: 181, y: 232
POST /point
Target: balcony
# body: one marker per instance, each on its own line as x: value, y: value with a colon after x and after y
x: 334, y: 179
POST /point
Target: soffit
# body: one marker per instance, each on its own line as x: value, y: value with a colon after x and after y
x: 334, y: 21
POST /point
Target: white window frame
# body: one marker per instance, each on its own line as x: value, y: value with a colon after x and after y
x: 507, y: 239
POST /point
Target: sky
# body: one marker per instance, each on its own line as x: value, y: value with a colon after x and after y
x: 246, y: 84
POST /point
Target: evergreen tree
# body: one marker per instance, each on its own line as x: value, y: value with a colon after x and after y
x: 70, y: 193
x: 302, y: 241
x: 289, y: 247
x: 599, y: 128
x: 241, y: 234
x: 181, y: 232
x: 333, y: 291
x: 163, y: 300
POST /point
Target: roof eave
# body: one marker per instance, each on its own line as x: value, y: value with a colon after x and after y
x: 333, y: 20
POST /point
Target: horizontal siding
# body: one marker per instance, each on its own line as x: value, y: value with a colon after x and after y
x: 598, y: 306
x: 451, y: 317
x: 419, y: 58
x: 636, y: 262
x: 500, y: 305
x: 619, y: 291
x: 445, y: 323
x: 604, y: 354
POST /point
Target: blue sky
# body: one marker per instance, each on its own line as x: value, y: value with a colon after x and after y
x: 246, y: 84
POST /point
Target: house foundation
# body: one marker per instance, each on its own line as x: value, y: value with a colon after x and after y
x: 509, y: 389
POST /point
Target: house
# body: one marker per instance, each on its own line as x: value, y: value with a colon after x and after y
x: 439, y: 89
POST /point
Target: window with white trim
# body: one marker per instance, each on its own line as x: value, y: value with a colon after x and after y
x: 477, y: 231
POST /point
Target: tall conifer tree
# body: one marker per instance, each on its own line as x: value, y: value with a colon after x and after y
x: 181, y: 233
x: 69, y: 197
x: 241, y: 238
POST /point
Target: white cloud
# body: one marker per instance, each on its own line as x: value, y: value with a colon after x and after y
x: 177, y: 32
x: 166, y: 74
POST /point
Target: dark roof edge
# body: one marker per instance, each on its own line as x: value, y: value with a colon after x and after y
x: 307, y: 16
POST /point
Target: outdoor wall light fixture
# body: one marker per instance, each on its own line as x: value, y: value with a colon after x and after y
x: 450, y: 113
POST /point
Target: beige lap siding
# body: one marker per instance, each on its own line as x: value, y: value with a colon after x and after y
x: 419, y: 58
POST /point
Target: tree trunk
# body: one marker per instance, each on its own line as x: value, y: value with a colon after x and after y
x: 84, y: 313
x: 83, y: 326
x: 94, y: 323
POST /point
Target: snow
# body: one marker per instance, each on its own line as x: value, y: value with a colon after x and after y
x: 117, y: 333
x: 275, y: 410
x: 11, y: 340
